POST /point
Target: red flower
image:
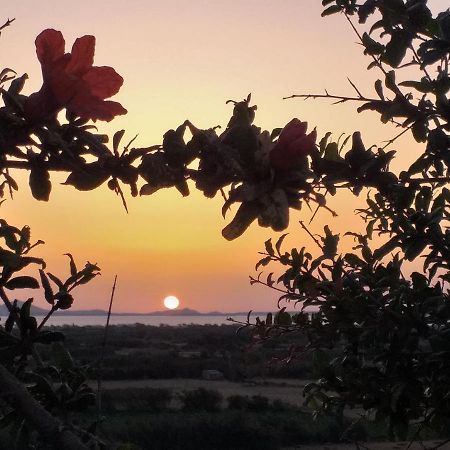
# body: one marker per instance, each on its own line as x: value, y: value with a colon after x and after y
x: 292, y: 146
x: 71, y: 81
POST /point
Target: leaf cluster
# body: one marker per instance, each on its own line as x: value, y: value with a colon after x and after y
x: 387, y: 322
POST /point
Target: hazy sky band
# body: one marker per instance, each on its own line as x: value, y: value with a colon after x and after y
x: 183, y: 60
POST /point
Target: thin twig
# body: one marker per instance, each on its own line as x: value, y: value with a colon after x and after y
x: 425, y: 71
x: 378, y: 63
x: 102, y: 354
x: 355, y: 88
x: 255, y: 280
x: 341, y: 98
x: 7, y: 24
x: 391, y: 141
x: 119, y: 192
x: 429, y: 180
x: 49, y: 314
x: 311, y: 235
x: 317, y: 209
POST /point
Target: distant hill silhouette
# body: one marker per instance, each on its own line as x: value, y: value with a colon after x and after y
x: 37, y: 311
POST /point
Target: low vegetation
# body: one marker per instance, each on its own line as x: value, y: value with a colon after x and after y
x: 142, y: 352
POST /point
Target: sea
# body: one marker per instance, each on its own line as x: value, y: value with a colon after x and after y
x: 100, y: 320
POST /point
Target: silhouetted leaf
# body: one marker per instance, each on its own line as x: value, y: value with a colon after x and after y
x: 282, y: 318
x: 22, y: 282
x: 245, y: 215
x: 371, y: 47
x: 396, y: 47
x: 40, y: 184
x: 331, y: 10
x: 88, y: 178
x: 73, y: 267
x: 280, y: 242
x: 118, y: 135
x: 48, y: 291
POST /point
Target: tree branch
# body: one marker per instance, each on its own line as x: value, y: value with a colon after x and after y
x: 340, y: 98
x: 7, y: 24
x: 49, y: 428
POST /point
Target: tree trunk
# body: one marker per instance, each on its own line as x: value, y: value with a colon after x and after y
x: 49, y: 427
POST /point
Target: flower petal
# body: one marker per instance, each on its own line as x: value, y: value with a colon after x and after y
x: 103, y: 82
x: 293, y: 130
x: 89, y: 107
x: 49, y: 46
x: 39, y: 106
x: 302, y: 146
x: 82, y: 56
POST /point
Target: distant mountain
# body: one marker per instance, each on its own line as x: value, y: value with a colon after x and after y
x: 176, y: 312
x: 37, y: 311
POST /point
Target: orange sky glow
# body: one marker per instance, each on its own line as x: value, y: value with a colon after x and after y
x: 183, y: 59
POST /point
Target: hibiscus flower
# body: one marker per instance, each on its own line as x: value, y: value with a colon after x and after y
x: 292, y: 146
x: 71, y: 81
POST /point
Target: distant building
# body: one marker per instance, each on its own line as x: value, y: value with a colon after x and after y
x: 212, y: 375
x: 190, y: 354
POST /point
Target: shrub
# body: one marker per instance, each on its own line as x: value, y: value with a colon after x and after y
x: 140, y: 399
x: 201, y: 399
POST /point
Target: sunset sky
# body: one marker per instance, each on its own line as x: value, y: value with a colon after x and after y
x: 182, y: 59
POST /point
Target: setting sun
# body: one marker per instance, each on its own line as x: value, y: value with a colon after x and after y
x: 171, y: 302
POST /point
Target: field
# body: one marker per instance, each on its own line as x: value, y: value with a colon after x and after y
x: 155, y: 395
x: 378, y: 446
x: 286, y: 390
